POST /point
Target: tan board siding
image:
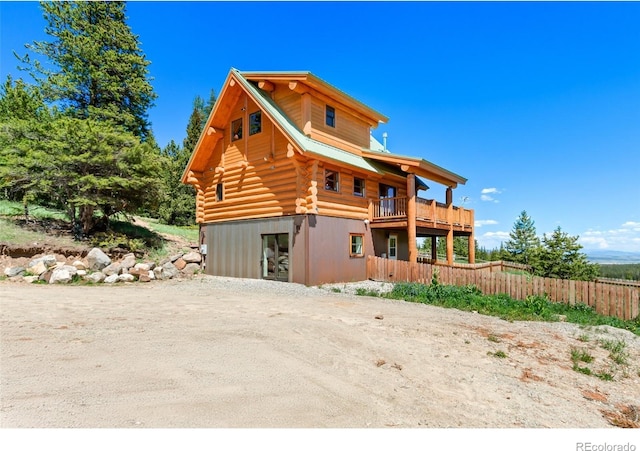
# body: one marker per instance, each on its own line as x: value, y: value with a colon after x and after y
x: 348, y: 127
x: 289, y: 102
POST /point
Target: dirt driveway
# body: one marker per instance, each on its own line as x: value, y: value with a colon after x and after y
x: 217, y: 352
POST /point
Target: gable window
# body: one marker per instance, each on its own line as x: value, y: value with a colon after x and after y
x: 331, y: 180
x: 357, y: 245
x: 255, y: 123
x: 330, y: 114
x: 236, y: 130
x: 219, y: 192
x: 358, y: 187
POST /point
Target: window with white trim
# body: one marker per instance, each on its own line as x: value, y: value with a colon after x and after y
x: 357, y: 245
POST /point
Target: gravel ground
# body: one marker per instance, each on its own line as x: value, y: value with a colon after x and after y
x: 214, y: 352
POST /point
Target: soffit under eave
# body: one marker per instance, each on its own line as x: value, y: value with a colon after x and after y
x: 419, y: 167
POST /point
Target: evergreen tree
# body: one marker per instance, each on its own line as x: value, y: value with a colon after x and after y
x: 21, y: 101
x: 178, y: 207
x: 82, y: 165
x: 19, y: 104
x: 560, y: 257
x: 95, y: 67
x: 522, y: 240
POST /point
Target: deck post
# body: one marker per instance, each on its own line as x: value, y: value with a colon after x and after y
x: 411, y: 218
x: 449, y: 201
x: 472, y: 240
x: 434, y: 248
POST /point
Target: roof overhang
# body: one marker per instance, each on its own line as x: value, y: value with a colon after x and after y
x: 419, y: 167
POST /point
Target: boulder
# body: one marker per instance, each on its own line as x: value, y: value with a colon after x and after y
x: 14, y: 271
x: 129, y: 261
x: 191, y: 269
x: 97, y: 259
x: 30, y: 279
x: 79, y: 265
x: 111, y: 269
x: 146, y: 277
x: 143, y: 267
x: 113, y: 278
x: 170, y: 271
x: 180, y: 264
x: 60, y: 275
x: 46, y: 276
x: 192, y: 257
x: 174, y: 257
x: 95, y: 277
x: 47, y: 261
x: 157, y: 272
x: 126, y: 278
x: 38, y: 268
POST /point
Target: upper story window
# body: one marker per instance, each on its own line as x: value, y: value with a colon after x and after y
x: 255, y: 123
x: 330, y: 114
x: 236, y: 130
x: 331, y: 180
x: 358, y: 187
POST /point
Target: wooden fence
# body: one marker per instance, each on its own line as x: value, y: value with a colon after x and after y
x: 618, y: 298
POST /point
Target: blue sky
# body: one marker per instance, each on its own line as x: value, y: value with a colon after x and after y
x: 536, y: 104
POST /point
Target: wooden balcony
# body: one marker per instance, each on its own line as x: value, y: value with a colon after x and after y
x: 392, y: 212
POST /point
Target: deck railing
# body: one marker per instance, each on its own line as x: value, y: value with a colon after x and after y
x: 426, y: 210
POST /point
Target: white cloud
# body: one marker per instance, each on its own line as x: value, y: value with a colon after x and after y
x: 624, y: 238
x: 484, y: 194
x: 492, y: 240
x: 483, y: 222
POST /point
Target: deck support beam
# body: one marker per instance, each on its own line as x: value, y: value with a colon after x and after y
x: 449, y: 202
x: 411, y: 218
x: 472, y: 240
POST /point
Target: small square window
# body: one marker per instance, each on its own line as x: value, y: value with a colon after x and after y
x: 358, y: 187
x: 255, y: 123
x: 331, y: 180
x: 357, y: 245
x: 236, y: 130
x: 330, y: 116
x: 219, y: 192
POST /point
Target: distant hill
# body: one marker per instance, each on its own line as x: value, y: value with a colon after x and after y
x: 613, y: 257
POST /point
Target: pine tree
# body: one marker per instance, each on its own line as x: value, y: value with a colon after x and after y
x: 178, y: 207
x: 81, y: 165
x: 522, y: 240
x: 99, y: 71
x: 560, y: 257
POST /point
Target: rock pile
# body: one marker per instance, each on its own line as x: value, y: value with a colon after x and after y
x: 97, y: 267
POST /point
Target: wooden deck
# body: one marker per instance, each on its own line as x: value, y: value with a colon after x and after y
x: 391, y: 212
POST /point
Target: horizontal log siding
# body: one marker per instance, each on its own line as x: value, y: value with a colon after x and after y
x: 343, y: 203
x: 264, y: 188
x: 348, y: 127
x: 606, y: 298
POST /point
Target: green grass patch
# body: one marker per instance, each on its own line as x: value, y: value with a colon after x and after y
x: 16, y: 209
x: 367, y: 292
x: 581, y: 355
x: 534, y: 308
x: 189, y: 233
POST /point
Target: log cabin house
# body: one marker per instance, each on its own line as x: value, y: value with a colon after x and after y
x: 291, y: 185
